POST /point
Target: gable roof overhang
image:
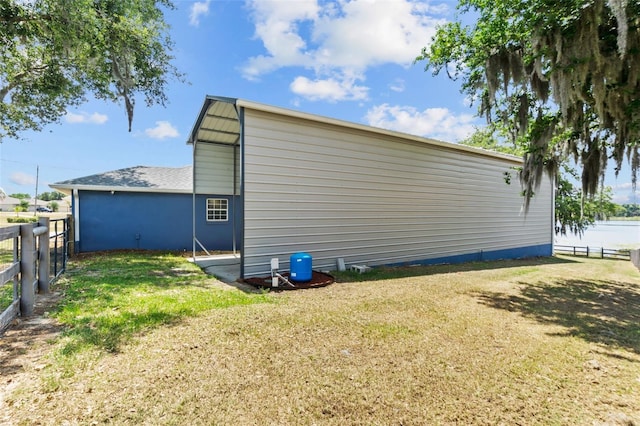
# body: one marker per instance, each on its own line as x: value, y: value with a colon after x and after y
x: 218, y: 122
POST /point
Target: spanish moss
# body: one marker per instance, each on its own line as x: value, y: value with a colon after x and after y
x: 562, y: 77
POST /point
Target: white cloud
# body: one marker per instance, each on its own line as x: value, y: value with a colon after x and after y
x: 20, y: 178
x: 163, y: 130
x: 331, y: 89
x: 398, y: 85
x: 278, y: 26
x: 85, y: 117
x: 625, y: 185
x: 344, y: 37
x: 623, y: 193
x: 436, y: 123
x: 368, y: 33
x: 198, y: 9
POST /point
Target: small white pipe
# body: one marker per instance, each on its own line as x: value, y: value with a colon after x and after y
x: 285, y: 280
x: 275, y: 276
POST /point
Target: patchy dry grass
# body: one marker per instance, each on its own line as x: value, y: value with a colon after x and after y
x: 522, y: 342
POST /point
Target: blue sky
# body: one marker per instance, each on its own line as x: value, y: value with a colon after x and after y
x: 349, y: 59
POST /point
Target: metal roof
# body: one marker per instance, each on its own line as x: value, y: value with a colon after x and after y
x: 134, y: 179
x: 219, y: 122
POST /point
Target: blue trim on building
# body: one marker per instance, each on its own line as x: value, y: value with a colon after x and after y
x: 542, y: 250
x: 150, y: 221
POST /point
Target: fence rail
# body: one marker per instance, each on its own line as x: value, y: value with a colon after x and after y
x: 26, y: 267
x: 601, y: 252
x: 9, y: 273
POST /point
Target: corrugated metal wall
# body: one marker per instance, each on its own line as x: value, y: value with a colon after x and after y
x: 214, y: 165
x: 369, y: 198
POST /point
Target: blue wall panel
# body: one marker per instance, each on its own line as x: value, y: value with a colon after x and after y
x: 152, y: 221
x: 218, y: 235
x: 542, y: 250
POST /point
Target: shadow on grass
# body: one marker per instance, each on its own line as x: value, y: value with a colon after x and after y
x: 110, y: 334
x: 599, y: 311
x: 391, y: 272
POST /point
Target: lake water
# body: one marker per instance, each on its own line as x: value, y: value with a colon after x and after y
x: 611, y: 234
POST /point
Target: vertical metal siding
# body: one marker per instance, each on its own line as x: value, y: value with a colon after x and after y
x: 214, y: 168
x: 368, y: 198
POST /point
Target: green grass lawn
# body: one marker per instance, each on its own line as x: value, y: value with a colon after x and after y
x: 6, y: 295
x: 150, y: 339
x: 108, y: 298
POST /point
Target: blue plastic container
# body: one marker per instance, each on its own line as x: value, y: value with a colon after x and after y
x: 301, y: 269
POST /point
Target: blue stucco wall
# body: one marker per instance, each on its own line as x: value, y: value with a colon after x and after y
x: 151, y: 221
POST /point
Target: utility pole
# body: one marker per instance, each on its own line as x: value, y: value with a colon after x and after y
x: 35, y: 199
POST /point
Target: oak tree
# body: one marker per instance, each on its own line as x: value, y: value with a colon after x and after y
x: 561, y: 76
x: 54, y: 53
x: 574, y: 213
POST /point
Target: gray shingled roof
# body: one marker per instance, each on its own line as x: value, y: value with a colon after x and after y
x: 139, y: 178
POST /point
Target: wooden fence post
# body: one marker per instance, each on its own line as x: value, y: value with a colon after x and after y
x: 71, y: 250
x: 44, y: 265
x: 634, y: 255
x: 27, y: 269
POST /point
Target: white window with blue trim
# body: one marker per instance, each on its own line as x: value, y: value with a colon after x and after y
x: 217, y: 210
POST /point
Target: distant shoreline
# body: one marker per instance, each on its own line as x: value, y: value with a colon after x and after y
x: 611, y: 234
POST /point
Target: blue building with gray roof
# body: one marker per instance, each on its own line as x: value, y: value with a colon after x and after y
x: 148, y: 208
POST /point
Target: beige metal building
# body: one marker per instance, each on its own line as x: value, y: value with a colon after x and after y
x: 341, y: 190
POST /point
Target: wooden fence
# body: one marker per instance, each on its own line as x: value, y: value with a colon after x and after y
x: 600, y: 252
x: 25, y: 266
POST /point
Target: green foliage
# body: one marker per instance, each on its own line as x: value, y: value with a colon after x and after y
x: 485, y: 139
x: 569, y: 214
x: 6, y: 295
x: 51, y: 196
x: 56, y: 52
x: 561, y: 78
x: 574, y: 212
x: 22, y: 219
x: 22, y: 207
x: 54, y: 206
x: 629, y: 210
x: 601, y: 206
x: 20, y: 196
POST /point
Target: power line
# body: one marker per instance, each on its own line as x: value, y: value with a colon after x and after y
x: 50, y: 166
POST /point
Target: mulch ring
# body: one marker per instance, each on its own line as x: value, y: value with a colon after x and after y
x: 318, y: 279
